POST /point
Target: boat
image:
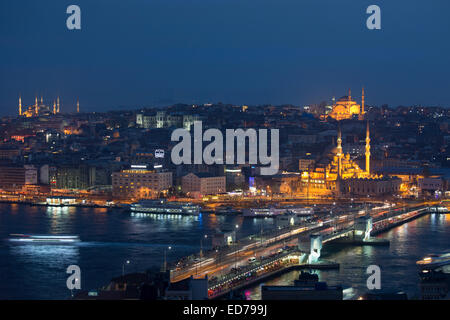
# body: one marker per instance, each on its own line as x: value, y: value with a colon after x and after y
x: 164, y: 207
x: 276, y: 211
x: 58, y: 239
x: 433, y: 261
x: 263, y: 212
x: 300, y: 211
x: 226, y: 210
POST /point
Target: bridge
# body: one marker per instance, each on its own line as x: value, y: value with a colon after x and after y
x: 298, y: 247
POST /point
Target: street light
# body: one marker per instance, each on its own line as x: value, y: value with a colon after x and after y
x: 165, y: 258
x: 235, y: 251
x: 123, y: 267
x: 201, y: 251
x: 217, y: 258
x: 201, y: 245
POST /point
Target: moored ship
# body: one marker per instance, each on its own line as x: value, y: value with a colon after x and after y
x: 276, y: 211
x: 58, y: 239
x: 226, y: 210
x: 165, y: 207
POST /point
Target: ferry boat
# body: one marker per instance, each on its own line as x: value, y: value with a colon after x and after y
x: 300, y: 211
x: 433, y: 261
x: 164, y: 207
x: 263, y: 212
x: 59, y: 239
x: 226, y: 210
x: 276, y: 211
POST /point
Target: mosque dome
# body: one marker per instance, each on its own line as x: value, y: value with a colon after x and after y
x: 344, y: 98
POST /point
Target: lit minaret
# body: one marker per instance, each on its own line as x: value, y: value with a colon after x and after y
x: 57, y: 105
x: 339, y: 152
x: 20, y: 106
x: 42, y: 100
x: 78, y: 105
x: 362, y: 111
x: 367, y: 149
x: 349, y: 94
x: 362, y: 102
x: 54, y: 107
x: 36, y: 106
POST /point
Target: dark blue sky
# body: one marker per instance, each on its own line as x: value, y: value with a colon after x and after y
x: 144, y: 52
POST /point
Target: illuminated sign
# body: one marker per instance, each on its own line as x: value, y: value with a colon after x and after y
x: 251, y: 182
x: 138, y: 166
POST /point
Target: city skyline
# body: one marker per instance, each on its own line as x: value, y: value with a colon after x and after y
x: 132, y: 55
x: 224, y: 151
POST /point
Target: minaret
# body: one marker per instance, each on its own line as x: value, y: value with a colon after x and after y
x: 36, y: 106
x: 362, y: 102
x: 78, y: 105
x: 57, y: 105
x: 349, y: 94
x: 42, y: 100
x: 362, y: 112
x: 339, y: 152
x: 20, y: 105
x: 54, y: 107
x: 367, y: 149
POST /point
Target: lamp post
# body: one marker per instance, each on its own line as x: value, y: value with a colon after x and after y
x: 123, y: 267
x: 217, y: 258
x: 235, y: 251
x: 165, y: 258
x: 201, y: 245
x: 201, y: 251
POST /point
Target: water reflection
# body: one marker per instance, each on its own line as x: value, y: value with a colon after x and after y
x: 408, y: 243
x: 110, y: 237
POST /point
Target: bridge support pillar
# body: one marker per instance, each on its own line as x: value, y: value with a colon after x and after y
x: 312, y: 246
x: 363, y: 227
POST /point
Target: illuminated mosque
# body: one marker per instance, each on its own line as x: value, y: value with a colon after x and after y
x: 337, y: 174
x: 41, y: 109
x: 346, y: 108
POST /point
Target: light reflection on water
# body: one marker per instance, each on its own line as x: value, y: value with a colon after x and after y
x: 110, y: 237
x: 408, y: 243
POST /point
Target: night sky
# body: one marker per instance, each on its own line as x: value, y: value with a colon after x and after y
x: 137, y: 53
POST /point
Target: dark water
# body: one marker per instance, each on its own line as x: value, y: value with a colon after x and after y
x: 408, y: 243
x: 110, y: 237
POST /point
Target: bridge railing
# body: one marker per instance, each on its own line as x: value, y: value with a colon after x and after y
x: 243, y: 271
x: 268, y: 237
x: 233, y: 281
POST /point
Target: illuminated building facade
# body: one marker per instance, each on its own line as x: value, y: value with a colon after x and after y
x: 338, y: 174
x: 72, y: 177
x: 162, y: 119
x: 346, y: 108
x: 15, y: 177
x: 200, y: 184
x: 37, y: 109
x: 235, y: 179
x: 140, y: 183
